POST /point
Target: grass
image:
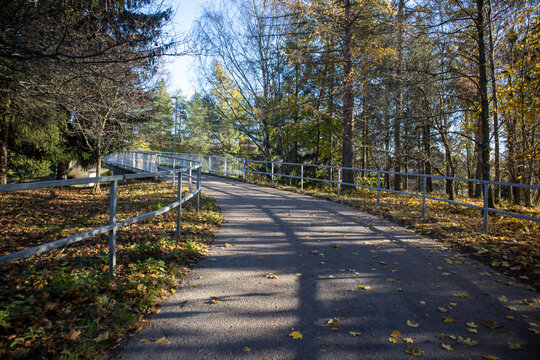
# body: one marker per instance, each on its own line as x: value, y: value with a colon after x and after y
x: 63, y: 304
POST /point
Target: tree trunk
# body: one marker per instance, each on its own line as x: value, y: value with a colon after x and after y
x: 495, y: 106
x: 4, y: 129
x: 62, y: 168
x: 348, y: 100
x: 484, y: 104
x: 426, y: 142
x: 399, y: 97
x: 97, y: 188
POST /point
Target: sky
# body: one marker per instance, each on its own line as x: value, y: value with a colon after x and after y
x: 179, y: 70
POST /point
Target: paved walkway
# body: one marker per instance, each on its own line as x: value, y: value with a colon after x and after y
x: 345, y: 280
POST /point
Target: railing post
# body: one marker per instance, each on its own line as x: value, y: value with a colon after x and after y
x: 486, y: 203
x: 247, y: 170
x: 179, y: 208
x: 272, y: 172
x: 378, y: 188
x: 112, y: 233
x: 190, y: 174
x: 209, y: 164
x: 339, y: 182
x: 302, y: 177
x: 424, y: 181
x: 244, y: 161
x: 199, y: 188
x: 225, y: 167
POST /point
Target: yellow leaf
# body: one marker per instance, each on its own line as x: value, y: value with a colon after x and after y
x: 448, y: 319
x: 472, y: 330
x: 355, y: 333
x: 334, y: 320
x: 395, y: 334
x: 510, y: 317
x: 390, y: 280
x: 513, y: 308
x: 534, y: 330
x: 490, y: 357
x: 503, y: 298
x: 446, y: 347
x: 392, y: 340
x: 227, y: 245
x: 334, y: 328
x: 414, y: 351
x: 163, y: 341
x: 491, y: 324
x: 412, y: 324
x: 461, y: 295
x: 337, y: 245
x: 441, y: 309
x: 271, y: 276
x: 144, y: 340
x: 364, y: 287
x: 472, y: 324
x: 214, y: 301
x: 196, y: 285
x: 422, y: 303
x: 296, y: 335
x: 467, y: 341
x: 512, y: 346
x: 246, y: 349
x: 173, y: 291
x: 408, y: 340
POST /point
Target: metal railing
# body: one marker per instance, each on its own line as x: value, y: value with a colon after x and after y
x: 146, y: 165
x: 371, y: 179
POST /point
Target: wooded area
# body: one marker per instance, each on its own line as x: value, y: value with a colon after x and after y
x: 446, y: 89
x: 424, y: 87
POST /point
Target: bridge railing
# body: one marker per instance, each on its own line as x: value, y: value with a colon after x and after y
x: 364, y: 178
x: 146, y: 165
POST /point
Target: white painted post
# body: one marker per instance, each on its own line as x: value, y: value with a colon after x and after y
x: 112, y: 233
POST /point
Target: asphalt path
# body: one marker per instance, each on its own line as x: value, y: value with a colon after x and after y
x: 353, y: 285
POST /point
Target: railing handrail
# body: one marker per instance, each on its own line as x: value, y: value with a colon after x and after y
x: 246, y: 171
x: 113, y: 224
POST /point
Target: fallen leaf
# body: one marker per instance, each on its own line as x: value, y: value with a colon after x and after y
x: 513, y: 308
x: 395, y: 334
x: 472, y: 324
x: 227, y: 245
x: 246, y: 349
x: 467, y: 341
x: 503, y: 298
x: 422, y: 303
x: 392, y: 340
x: 390, y: 280
x: 364, y: 287
x: 414, y: 351
x: 408, y: 340
x: 336, y: 246
x: 334, y: 320
x: 472, y: 330
x: 173, y: 291
x: 163, y: 341
x: 334, y: 328
x: 296, y: 335
x: 448, y: 319
x: 72, y: 335
x: 144, y: 340
x: 512, y: 346
x: 102, y: 337
x: 461, y: 295
x: 214, y: 301
x: 491, y: 324
x: 355, y: 333
x: 271, y: 276
x: 441, y: 309
x: 446, y: 347
x: 510, y: 317
x: 534, y: 330
x: 490, y: 357
x: 412, y: 324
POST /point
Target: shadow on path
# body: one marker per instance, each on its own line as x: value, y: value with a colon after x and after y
x: 321, y: 252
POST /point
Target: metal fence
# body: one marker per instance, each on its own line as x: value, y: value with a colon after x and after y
x: 146, y: 165
x: 364, y: 178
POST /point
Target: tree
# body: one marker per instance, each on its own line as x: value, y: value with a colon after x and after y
x: 160, y: 125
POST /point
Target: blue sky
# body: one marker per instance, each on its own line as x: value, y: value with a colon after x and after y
x: 180, y: 70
